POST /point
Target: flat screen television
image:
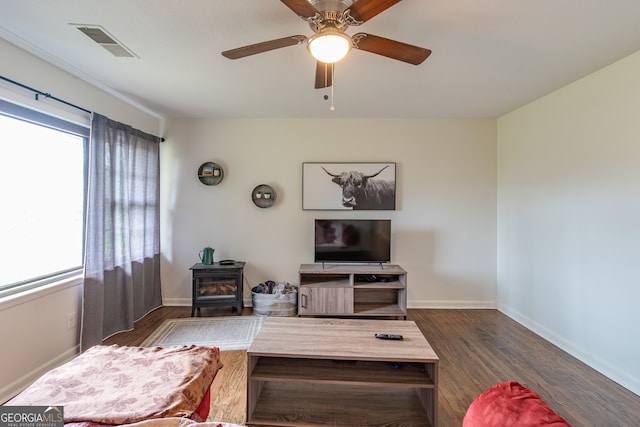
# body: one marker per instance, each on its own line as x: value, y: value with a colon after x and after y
x: 352, y: 240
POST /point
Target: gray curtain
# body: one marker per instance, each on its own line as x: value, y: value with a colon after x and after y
x: 122, y: 249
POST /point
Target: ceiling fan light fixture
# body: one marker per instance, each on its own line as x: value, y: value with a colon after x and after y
x: 329, y: 45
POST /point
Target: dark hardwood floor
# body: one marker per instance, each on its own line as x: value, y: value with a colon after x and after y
x: 477, y: 349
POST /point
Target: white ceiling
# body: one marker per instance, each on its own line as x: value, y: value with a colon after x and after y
x: 489, y: 56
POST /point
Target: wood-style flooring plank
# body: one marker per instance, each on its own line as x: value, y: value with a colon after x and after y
x: 481, y: 348
x: 229, y: 388
x: 477, y: 349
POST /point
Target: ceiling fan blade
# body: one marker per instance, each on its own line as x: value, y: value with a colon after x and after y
x: 363, y: 10
x: 390, y: 48
x: 324, y: 75
x: 301, y: 7
x: 252, y: 49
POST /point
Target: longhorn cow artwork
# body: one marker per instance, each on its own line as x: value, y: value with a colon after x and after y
x: 349, y: 186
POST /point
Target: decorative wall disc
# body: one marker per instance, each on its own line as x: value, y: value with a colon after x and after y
x: 264, y: 196
x: 210, y: 173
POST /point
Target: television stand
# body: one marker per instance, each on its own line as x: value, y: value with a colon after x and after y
x: 352, y: 291
x: 324, y: 263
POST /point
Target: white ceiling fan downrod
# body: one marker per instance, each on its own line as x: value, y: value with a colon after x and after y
x: 326, y: 79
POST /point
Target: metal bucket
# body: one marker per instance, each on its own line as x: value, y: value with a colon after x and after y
x: 285, y: 304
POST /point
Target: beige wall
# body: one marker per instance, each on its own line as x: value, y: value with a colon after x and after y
x: 443, y: 229
x: 569, y: 218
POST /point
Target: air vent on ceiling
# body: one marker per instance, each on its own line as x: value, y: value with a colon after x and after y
x: 106, y: 40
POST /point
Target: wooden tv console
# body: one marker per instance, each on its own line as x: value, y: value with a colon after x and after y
x: 352, y: 290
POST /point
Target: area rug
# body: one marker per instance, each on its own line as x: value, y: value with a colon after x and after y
x: 226, y: 333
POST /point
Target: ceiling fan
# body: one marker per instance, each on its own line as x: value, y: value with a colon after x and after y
x: 329, y: 19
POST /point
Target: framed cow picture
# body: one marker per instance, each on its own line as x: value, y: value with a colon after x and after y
x: 348, y: 186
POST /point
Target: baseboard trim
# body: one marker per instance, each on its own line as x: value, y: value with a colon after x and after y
x: 9, y: 391
x: 176, y: 302
x: 624, y: 379
x: 469, y: 305
x: 186, y: 302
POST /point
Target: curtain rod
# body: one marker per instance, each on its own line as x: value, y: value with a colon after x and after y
x: 45, y: 94
x: 48, y: 95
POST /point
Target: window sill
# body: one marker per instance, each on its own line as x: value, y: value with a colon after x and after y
x: 22, y: 297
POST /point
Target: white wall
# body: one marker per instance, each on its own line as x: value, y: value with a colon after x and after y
x: 444, y: 226
x: 33, y: 329
x: 567, y: 212
x: 21, y: 66
x: 569, y: 218
x: 35, y: 334
x: 444, y: 229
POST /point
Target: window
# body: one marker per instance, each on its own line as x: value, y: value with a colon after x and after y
x: 42, y: 189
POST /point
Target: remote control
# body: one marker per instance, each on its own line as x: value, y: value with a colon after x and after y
x: 389, y: 336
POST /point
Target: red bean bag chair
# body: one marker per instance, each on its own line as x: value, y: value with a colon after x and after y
x: 511, y: 404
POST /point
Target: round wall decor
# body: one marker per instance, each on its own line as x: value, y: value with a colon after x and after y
x: 263, y: 196
x: 210, y: 173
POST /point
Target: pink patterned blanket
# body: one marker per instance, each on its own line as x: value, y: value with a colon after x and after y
x: 122, y: 385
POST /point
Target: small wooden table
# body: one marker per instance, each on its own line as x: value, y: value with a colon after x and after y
x: 321, y: 371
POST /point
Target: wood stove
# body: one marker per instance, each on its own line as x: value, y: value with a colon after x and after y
x: 217, y: 285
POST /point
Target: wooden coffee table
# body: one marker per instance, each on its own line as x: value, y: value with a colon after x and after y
x: 321, y: 371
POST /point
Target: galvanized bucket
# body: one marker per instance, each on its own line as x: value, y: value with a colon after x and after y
x: 285, y: 304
